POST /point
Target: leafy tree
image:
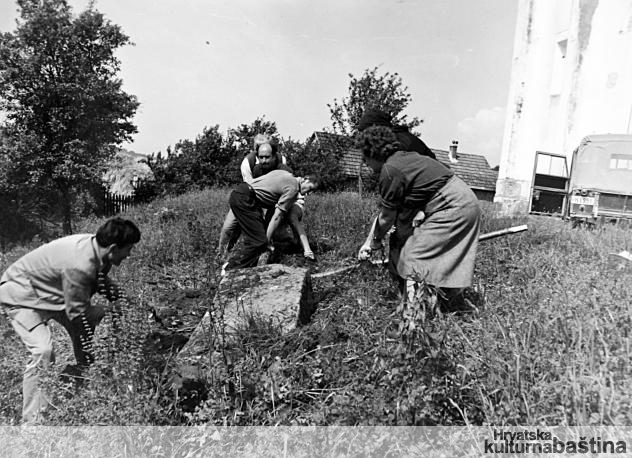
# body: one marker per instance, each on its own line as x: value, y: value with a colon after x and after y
x: 241, y: 139
x: 210, y: 160
x: 385, y: 92
x: 204, y: 162
x: 65, y: 107
x: 307, y: 158
x: 215, y: 161
x: 172, y: 171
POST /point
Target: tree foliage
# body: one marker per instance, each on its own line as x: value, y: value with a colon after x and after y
x: 209, y: 160
x: 306, y: 159
x: 191, y: 164
x: 242, y: 137
x: 65, y: 107
x: 213, y: 160
x: 371, y: 90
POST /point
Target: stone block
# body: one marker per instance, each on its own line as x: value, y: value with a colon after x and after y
x: 274, y: 294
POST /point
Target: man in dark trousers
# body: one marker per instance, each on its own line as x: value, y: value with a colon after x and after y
x: 276, y: 190
x: 265, y: 158
x: 408, y: 141
x: 56, y: 281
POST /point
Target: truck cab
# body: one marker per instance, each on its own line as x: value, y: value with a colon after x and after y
x: 600, y: 182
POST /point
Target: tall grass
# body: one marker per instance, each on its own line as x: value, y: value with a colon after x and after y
x: 548, y: 343
x: 556, y: 331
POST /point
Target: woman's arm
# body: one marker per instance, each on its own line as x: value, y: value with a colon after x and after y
x: 384, y: 221
x: 381, y: 225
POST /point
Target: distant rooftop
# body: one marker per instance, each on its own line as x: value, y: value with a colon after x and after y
x: 471, y: 168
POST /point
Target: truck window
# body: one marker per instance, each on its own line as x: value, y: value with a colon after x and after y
x: 550, y: 183
x: 620, y: 161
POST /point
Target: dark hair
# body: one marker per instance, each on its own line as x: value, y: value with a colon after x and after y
x: 118, y: 231
x: 314, y: 178
x: 374, y: 117
x: 377, y: 142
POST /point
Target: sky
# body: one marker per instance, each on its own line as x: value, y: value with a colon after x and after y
x: 199, y: 63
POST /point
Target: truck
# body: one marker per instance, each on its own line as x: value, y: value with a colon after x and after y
x: 600, y: 180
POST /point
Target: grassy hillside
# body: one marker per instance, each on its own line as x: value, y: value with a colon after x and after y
x: 548, y: 342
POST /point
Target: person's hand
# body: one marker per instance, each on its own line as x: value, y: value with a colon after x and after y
x: 365, y: 253
x: 309, y: 255
x: 376, y: 245
x: 419, y: 218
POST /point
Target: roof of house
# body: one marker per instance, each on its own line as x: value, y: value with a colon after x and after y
x: 471, y: 168
x: 330, y: 141
x: 351, y: 160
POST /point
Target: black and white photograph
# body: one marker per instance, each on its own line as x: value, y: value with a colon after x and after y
x: 296, y: 228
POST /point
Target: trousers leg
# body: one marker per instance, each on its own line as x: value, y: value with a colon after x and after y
x: 30, y: 325
x: 81, y: 331
x: 248, y: 214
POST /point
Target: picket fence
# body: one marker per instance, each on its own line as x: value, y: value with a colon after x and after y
x: 116, y: 203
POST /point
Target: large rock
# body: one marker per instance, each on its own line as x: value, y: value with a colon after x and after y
x: 273, y: 295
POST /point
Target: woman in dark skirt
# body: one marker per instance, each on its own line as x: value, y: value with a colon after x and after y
x: 435, y: 214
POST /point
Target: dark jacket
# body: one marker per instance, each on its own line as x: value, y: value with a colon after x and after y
x: 410, y: 142
x: 278, y: 163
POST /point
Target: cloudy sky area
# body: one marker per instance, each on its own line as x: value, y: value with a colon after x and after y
x: 198, y: 63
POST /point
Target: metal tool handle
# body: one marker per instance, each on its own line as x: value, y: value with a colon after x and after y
x: 487, y: 236
x: 501, y: 232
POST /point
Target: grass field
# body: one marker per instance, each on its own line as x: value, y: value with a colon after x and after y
x: 548, y: 343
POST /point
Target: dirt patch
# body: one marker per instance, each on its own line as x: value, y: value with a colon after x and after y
x: 176, y: 312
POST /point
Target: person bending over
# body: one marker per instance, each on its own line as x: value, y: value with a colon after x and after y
x: 275, y: 191
x: 264, y: 159
x: 436, y: 215
x: 56, y: 282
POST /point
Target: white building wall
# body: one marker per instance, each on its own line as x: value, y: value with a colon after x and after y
x: 571, y: 77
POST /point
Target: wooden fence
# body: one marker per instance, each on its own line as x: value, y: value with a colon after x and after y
x: 116, y: 203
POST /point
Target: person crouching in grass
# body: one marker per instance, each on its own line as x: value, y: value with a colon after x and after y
x: 276, y: 190
x: 56, y: 281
